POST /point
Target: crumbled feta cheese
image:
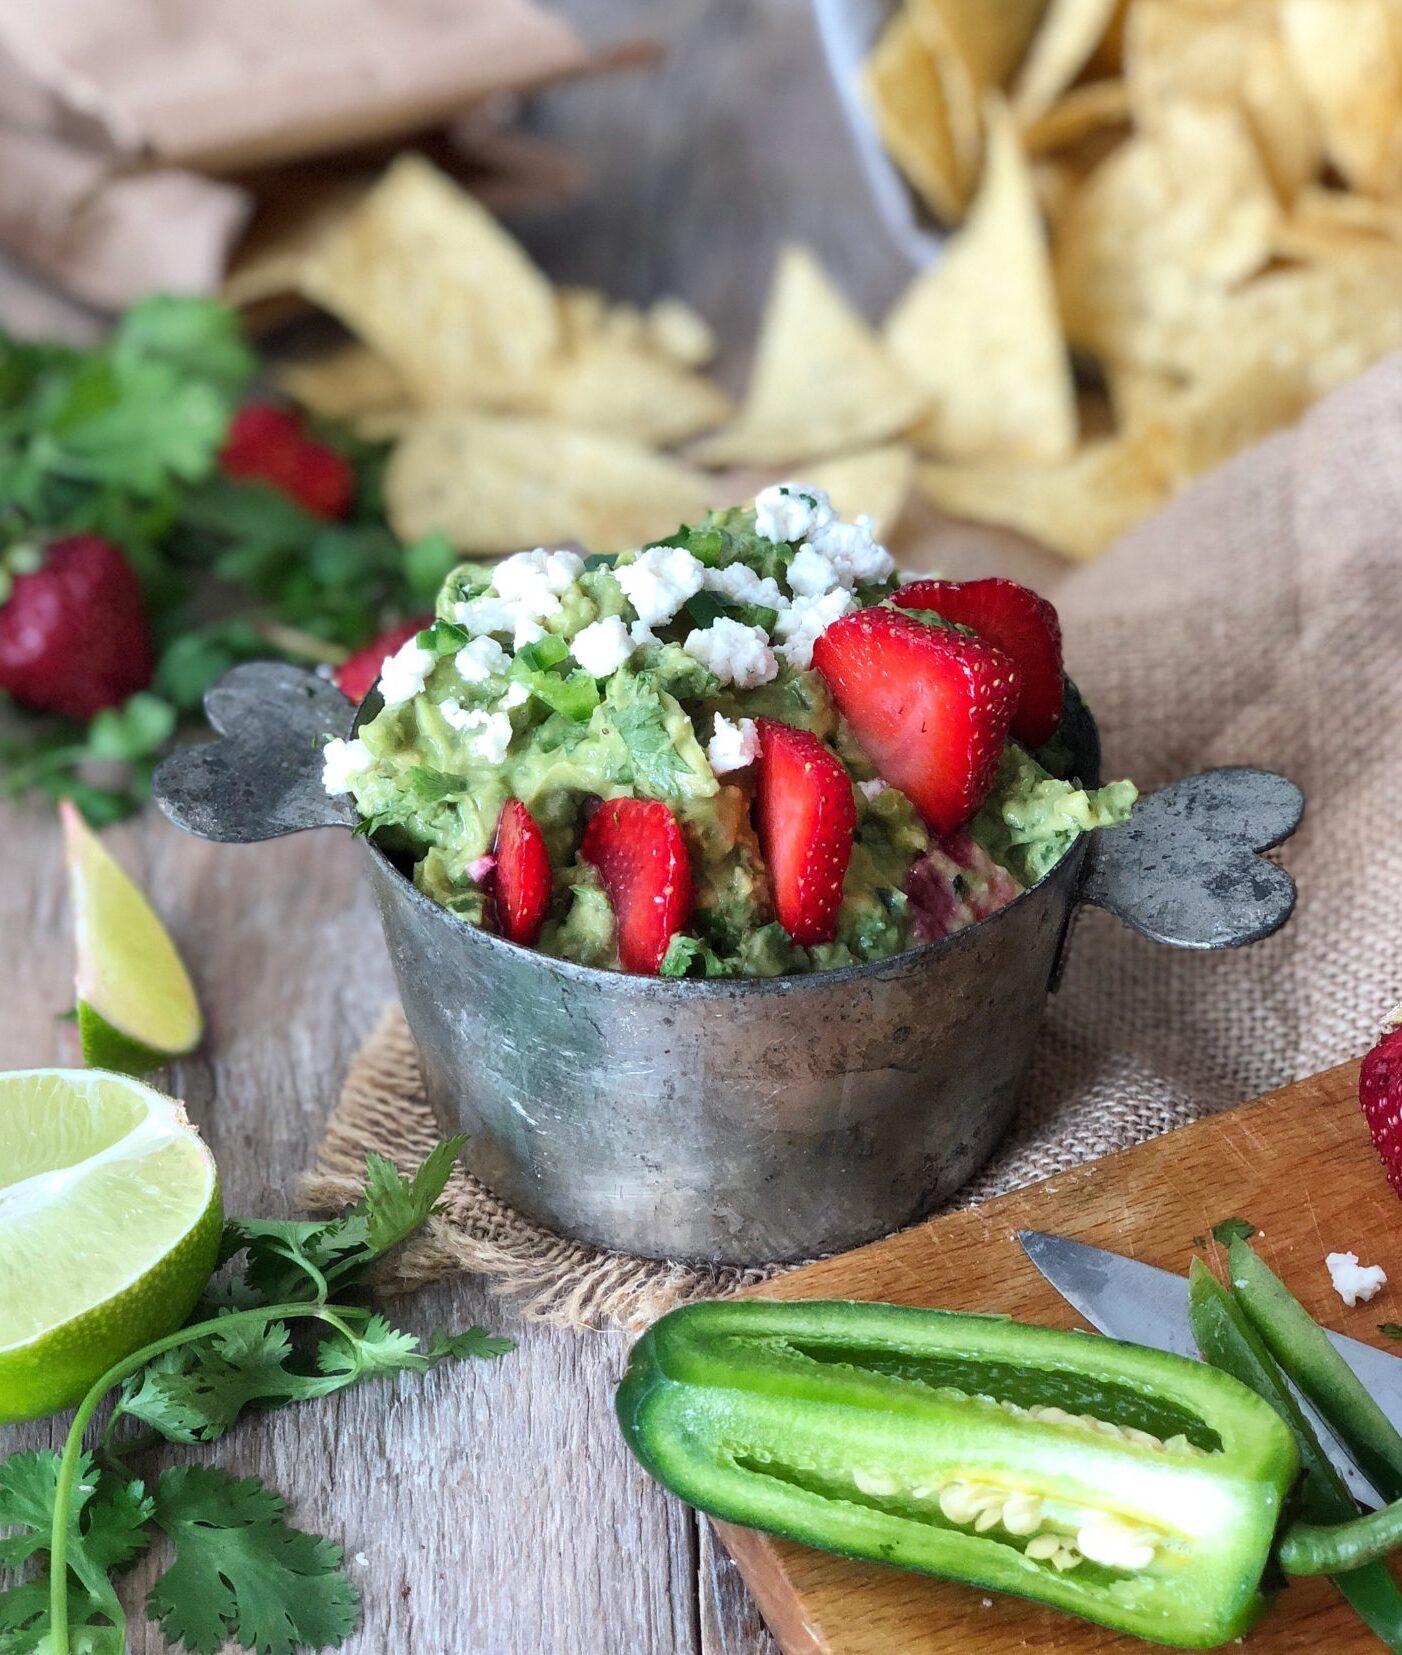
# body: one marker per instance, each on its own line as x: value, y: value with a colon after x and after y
x: 739, y: 583
x: 733, y: 745
x: 872, y: 789
x: 342, y: 762
x: 480, y: 660
x: 1353, y: 1281
x: 853, y: 549
x: 659, y: 581
x: 736, y: 654
x: 485, y: 615
x: 602, y: 646
x: 402, y: 676
x: 534, y: 581
x: 791, y: 511
x: 517, y: 695
x: 806, y: 618
x: 494, y: 729
x: 641, y: 633
x: 811, y: 573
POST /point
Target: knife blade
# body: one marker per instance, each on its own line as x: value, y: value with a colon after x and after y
x: 1149, y: 1306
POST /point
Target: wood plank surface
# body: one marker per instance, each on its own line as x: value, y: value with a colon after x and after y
x: 1297, y: 1163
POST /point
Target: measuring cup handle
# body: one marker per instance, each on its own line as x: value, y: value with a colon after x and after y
x: 1186, y: 868
x: 261, y: 778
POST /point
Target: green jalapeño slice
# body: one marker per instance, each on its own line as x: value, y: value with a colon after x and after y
x: 1135, y: 1489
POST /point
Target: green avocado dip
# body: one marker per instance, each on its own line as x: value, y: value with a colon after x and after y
x: 561, y: 681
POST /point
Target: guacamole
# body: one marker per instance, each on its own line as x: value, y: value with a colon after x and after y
x: 561, y: 680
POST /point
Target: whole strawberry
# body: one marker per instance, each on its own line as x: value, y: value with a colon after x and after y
x: 73, y: 633
x: 1380, y: 1093
x: 268, y: 444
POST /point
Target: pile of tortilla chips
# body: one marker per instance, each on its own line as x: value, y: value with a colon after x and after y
x: 521, y: 414
x: 1201, y: 200
x: 1174, y: 223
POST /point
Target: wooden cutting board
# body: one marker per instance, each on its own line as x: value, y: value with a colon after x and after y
x: 1297, y: 1163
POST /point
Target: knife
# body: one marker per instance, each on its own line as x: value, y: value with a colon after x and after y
x: 1149, y: 1306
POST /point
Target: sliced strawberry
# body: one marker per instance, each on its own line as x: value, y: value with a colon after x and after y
x: 523, y: 880
x: 1015, y: 620
x: 357, y: 675
x: 641, y: 856
x: 930, y: 707
x: 1380, y: 1093
x: 268, y: 444
x: 807, y: 818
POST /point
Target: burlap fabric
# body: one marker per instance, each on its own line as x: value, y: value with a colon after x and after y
x: 1255, y: 620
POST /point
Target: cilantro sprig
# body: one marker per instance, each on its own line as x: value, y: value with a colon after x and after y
x: 271, y: 1330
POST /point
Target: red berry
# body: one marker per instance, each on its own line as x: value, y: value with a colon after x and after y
x: 1016, y: 621
x: 641, y: 856
x: 523, y: 880
x: 359, y: 674
x: 807, y: 818
x: 73, y: 635
x: 267, y: 444
x: 930, y: 707
x: 1380, y: 1093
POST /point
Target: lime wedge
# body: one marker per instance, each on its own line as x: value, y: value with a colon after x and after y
x: 109, y: 1227
x: 136, y: 1004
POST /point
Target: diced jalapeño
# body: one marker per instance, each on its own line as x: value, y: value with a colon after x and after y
x: 1135, y: 1489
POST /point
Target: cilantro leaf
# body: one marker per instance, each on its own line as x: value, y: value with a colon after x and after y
x: 241, y: 1572
x: 638, y: 711
x: 1233, y: 1229
x: 197, y: 336
x: 472, y: 1343
x: 394, y: 1206
x: 136, y: 423
x: 106, y: 1529
x: 195, y: 1392
x: 135, y: 730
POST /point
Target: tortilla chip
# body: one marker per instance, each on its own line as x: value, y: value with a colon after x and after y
x: 822, y: 382
x: 1325, y: 323
x: 1084, y: 109
x: 962, y: 94
x: 430, y: 280
x: 582, y: 311
x: 344, y: 383
x: 272, y: 256
x: 1078, y: 508
x: 1345, y: 56
x: 1246, y: 398
x: 1059, y: 51
x: 680, y: 332
x: 608, y: 384
x: 493, y: 483
x: 991, y: 38
x: 1200, y: 51
x: 1160, y: 231
x: 979, y: 331
x: 875, y: 483
x: 907, y: 99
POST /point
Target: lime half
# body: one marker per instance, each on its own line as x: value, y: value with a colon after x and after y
x: 136, y: 1004
x: 109, y: 1226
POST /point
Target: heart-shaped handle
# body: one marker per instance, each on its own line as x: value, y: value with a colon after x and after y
x: 1186, y: 868
x: 262, y: 777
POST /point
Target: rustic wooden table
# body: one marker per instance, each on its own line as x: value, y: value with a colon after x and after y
x: 489, y: 1508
